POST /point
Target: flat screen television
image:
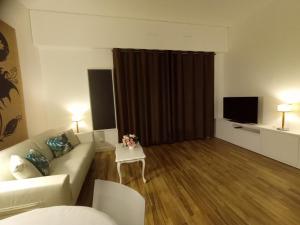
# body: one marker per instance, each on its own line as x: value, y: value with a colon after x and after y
x: 241, y: 109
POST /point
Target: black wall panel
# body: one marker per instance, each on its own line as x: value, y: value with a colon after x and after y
x: 102, y: 100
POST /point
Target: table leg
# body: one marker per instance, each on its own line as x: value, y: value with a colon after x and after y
x: 143, y: 170
x: 119, y: 172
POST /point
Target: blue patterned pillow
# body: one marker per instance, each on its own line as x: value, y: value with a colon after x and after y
x: 39, y: 161
x: 59, y: 145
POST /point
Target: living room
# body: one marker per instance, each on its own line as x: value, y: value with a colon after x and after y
x: 208, y: 180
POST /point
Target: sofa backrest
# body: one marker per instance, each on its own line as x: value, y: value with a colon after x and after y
x: 40, y: 141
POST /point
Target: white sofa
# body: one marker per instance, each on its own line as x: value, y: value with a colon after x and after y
x: 61, y: 187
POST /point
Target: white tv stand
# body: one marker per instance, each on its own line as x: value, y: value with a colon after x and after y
x: 265, y: 140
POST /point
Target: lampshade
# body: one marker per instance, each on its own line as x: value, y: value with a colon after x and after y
x: 284, y: 108
x: 76, y: 118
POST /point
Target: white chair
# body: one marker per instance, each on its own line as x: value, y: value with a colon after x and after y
x: 123, y: 204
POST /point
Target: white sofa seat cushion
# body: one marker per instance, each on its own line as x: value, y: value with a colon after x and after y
x: 20, y: 149
x: 76, y: 164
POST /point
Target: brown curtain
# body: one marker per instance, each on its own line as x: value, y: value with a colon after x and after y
x: 164, y: 96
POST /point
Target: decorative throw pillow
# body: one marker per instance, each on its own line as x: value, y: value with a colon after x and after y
x: 73, y: 139
x: 39, y: 161
x: 21, y: 168
x: 59, y: 145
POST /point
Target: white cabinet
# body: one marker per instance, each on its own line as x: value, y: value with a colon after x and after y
x: 224, y: 130
x: 278, y: 145
x: 283, y: 147
x: 246, y: 136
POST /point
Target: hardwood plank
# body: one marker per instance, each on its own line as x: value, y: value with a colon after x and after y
x: 206, y: 182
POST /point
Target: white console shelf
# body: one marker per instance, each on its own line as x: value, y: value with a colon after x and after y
x: 283, y: 146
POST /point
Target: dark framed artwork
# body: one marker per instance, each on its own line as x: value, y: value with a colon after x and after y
x: 13, y: 127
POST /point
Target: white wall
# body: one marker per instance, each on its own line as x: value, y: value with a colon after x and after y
x: 66, y: 82
x: 263, y: 57
x: 69, y: 44
x: 224, y: 13
x: 17, y: 16
x: 263, y: 60
x: 78, y: 30
x: 219, y: 84
x: 56, y: 49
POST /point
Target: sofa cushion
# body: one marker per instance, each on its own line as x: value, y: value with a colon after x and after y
x: 22, y: 168
x: 40, y: 141
x: 73, y: 139
x: 75, y: 163
x: 20, y: 149
x: 39, y: 161
x: 59, y: 145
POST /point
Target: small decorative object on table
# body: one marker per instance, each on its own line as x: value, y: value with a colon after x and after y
x: 130, y: 140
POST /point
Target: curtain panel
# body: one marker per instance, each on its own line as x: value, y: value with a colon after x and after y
x: 164, y: 96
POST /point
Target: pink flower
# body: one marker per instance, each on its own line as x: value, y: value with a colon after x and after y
x: 129, y: 140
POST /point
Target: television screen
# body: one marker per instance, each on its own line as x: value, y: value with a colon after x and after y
x: 241, y: 109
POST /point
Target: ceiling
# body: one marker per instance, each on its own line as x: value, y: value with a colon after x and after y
x: 209, y: 12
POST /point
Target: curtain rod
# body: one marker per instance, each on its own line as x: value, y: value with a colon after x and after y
x: 158, y: 50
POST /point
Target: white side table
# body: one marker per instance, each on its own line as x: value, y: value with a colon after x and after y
x: 126, y: 155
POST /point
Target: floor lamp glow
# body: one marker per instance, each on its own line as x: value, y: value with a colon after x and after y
x: 284, y: 108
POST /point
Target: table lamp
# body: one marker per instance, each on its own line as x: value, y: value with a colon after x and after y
x: 284, y: 108
x: 76, y: 119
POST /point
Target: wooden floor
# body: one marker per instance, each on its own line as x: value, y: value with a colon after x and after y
x: 206, y: 182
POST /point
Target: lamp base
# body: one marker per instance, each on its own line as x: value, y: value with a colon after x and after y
x: 283, y: 129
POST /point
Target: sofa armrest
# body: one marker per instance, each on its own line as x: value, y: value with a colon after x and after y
x: 45, y: 191
x: 86, y: 137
